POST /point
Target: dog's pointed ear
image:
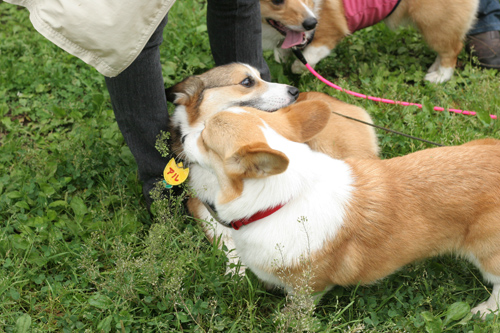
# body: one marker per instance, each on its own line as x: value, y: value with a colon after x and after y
x: 306, y: 119
x: 186, y: 92
x: 256, y: 160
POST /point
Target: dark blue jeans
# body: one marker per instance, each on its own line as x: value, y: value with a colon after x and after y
x: 234, y: 30
x: 138, y: 95
x: 488, y: 17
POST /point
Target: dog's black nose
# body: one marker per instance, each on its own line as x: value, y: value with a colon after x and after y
x: 310, y: 23
x: 294, y: 92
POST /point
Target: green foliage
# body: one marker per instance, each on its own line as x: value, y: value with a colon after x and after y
x: 79, y: 252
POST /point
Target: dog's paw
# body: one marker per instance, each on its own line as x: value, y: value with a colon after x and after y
x: 280, y: 55
x: 235, y: 267
x: 236, y: 270
x: 483, y: 309
x: 442, y: 74
x: 298, y: 67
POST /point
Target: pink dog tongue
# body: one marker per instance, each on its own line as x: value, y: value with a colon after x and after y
x: 292, y: 38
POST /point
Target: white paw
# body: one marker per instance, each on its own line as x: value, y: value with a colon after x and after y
x: 269, y: 286
x: 442, y: 74
x: 236, y: 270
x: 298, y: 67
x: 280, y: 55
x: 235, y: 267
x: 435, y: 65
x: 484, y: 309
x: 313, y: 55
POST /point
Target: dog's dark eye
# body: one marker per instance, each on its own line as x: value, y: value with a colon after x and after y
x: 247, y: 82
x: 277, y: 2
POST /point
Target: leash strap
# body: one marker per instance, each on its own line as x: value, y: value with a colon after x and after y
x: 301, y: 58
x: 390, y: 130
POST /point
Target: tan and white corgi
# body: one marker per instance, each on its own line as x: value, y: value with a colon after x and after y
x: 361, y: 219
x: 199, y: 97
x: 319, y: 25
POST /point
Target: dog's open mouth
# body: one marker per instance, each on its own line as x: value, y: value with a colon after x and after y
x: 292, y: 38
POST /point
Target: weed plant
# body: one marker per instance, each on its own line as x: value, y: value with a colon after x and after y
x: 80, y: 253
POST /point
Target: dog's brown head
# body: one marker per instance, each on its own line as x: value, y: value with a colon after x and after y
x: 296, y: 20
x: 234, y: 85
x: 231, y: 85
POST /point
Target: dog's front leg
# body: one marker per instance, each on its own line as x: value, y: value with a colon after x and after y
x: 216, y: 232
x: 326, y: 37
x: 313, y: 55
x: 280, y: 55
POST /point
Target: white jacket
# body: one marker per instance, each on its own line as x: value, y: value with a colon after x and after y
x: 106, y: 34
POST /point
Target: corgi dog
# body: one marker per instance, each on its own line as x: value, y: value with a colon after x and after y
x: 292, y: 210
x: 238, y: 85
x: 319, y: 25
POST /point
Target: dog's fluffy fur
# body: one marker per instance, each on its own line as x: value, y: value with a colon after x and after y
x: 199, y: 97
x: 364, y: 218
x: 443, y: 25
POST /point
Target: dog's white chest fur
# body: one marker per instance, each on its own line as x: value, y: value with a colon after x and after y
x: 313, y: 213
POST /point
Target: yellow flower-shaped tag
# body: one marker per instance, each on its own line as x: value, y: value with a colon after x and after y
x: 174, y: 173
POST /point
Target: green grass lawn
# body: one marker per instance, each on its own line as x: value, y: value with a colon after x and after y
x: 79, y: 252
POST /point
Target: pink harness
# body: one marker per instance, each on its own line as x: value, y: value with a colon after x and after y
x: 364, y: 13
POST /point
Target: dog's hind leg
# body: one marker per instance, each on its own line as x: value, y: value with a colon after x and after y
x: 441, y: 71
x: 490, y: 269
x: 483, y: 245
x: 492, y: 304
x: 443, y: 25
x: 448, y: 46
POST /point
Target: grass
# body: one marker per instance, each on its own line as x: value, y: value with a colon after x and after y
x: 79, y: 252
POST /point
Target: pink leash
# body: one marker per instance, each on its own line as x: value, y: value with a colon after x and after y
x: 300, y: 56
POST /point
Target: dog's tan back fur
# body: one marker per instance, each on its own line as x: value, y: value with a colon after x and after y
x: 391, y: 224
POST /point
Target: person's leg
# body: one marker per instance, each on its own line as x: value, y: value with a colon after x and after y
x: 484, y: 37
x: 488, y: 17
x: 235, y: 33
x: 140, y: 107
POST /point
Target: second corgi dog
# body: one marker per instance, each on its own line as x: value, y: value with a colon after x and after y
x: 319, y: 25
x: 293, y: 211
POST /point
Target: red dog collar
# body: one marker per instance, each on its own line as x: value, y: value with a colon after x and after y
x: 255, y: 217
